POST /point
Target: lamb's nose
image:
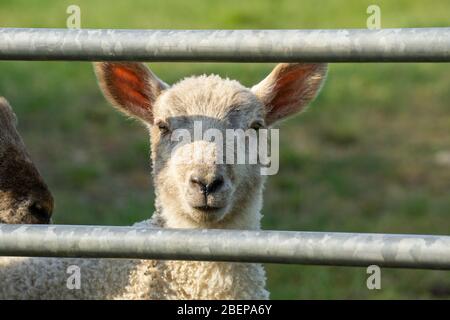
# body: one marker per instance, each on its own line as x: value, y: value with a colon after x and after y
x: 207, y: 188
x: 41, y: 210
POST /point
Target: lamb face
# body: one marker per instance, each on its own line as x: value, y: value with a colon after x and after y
x: 24, y: 196
x: 197, y: 186
x: 195, y: 178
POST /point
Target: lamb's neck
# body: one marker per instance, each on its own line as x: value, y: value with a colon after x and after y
x: 215, y: 280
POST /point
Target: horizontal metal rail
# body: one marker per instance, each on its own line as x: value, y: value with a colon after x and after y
x: 340, y: 45
x: 316, y: 248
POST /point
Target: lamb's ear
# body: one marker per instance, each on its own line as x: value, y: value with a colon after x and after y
x: 289, y: 88
x: 129, y: 86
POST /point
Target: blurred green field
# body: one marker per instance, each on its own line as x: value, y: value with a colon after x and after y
x: 372, y: 154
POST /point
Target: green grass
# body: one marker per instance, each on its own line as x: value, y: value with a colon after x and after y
x: 363, y: 158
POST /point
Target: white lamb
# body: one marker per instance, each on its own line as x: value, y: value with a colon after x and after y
x: 205, y: 194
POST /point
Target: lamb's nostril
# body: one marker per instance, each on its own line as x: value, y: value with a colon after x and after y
x: 207, y: 188
x: 40, y: 211
x: 198, y: 183
x: 214, y: 185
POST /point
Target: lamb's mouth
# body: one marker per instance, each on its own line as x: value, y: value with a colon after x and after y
x: 207, y: 208
x: 208, y: 214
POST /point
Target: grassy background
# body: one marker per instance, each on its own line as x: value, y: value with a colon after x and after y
x: 371, y: 155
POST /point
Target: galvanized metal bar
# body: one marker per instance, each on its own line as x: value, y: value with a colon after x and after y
x: 340, y: 45
x: 317, y: 248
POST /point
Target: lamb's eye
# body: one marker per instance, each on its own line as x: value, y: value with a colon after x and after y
x: 163, y: 127
x: 256, y: 125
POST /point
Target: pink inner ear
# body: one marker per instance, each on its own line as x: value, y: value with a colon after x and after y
x: 129, y: 87
x: 291, y: 91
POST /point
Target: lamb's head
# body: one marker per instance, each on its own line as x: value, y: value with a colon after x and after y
x: 24, y: 196
x: 197, y: 182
